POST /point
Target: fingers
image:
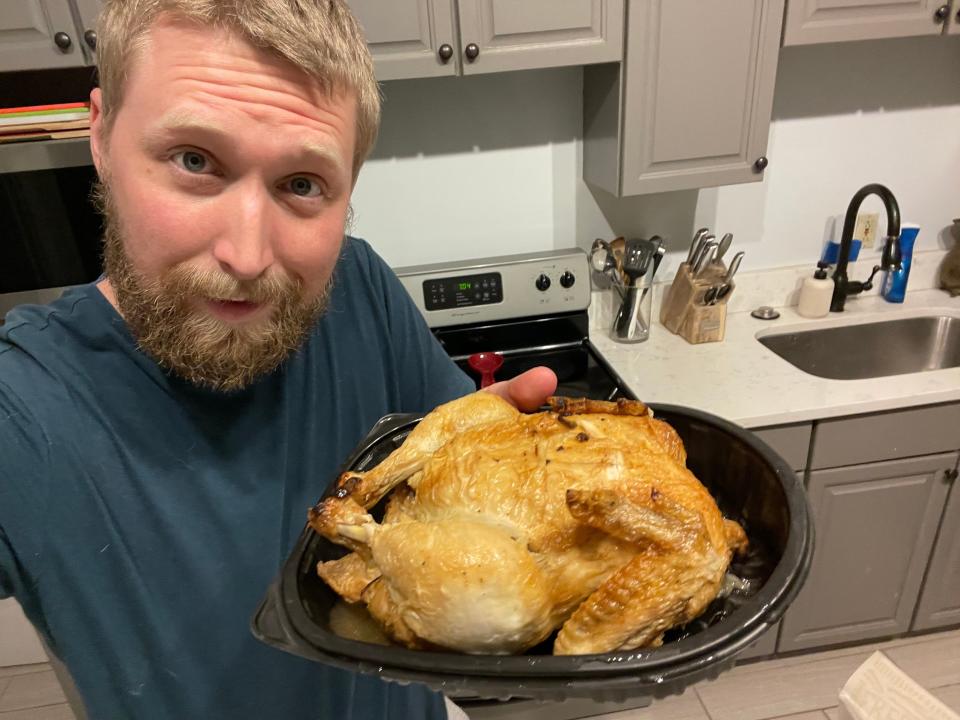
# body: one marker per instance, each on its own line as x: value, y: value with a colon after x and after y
x: 529, y: 390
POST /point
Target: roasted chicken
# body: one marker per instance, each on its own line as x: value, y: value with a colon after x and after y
x: 502, y: 527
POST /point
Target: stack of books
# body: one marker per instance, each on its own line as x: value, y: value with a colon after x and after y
x: 44, y: 122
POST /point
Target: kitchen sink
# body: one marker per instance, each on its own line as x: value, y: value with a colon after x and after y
x: 872, y: 349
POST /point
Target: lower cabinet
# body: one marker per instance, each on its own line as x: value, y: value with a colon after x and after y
x: 875, y: 527
x: 940, y: 598
x: 792, y: 443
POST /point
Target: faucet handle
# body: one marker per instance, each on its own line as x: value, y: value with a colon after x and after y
x: 868, y: 283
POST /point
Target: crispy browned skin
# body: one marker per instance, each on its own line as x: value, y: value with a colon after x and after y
x: 508, y: 526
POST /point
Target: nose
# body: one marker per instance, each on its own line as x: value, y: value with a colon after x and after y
x: 245, y: 248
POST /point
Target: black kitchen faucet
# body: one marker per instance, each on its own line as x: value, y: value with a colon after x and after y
x: 889, y: 260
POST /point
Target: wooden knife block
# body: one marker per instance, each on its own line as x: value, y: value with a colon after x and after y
x: 683, y: 312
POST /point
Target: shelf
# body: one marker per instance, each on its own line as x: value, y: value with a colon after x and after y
x: 44, y: 154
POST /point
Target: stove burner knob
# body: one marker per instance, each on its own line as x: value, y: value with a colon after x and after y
x: 567, y: 279
x: 543, y: 282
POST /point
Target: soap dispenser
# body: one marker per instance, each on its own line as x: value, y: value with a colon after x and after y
x: 815, y: 293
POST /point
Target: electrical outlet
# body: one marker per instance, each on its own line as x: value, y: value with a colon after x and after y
x: 866, y: 229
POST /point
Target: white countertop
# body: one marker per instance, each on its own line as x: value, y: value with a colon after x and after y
x: 741, y: 380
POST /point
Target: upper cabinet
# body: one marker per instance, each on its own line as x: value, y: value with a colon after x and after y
x: 38, y: 34
x: 510, y: 35
x: 426, y: 38
x: 690, y: 106
x: 819, y: 21
x: 409, y: 38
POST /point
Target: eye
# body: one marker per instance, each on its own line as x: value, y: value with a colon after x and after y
x: 303, y: 186
x: 192, y: 161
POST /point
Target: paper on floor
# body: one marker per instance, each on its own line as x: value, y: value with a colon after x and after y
x: 879, y: 690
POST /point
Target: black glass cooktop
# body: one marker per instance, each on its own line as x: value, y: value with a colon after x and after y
x: 558, y: 342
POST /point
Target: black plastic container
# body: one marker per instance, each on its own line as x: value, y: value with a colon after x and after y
x: 751, y: 484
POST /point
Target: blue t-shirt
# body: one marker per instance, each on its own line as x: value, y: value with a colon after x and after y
x: 142, y: 518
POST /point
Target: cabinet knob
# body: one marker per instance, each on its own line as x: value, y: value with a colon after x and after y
x: 950, y: 476
x: 445, y: 52
x: 62, y: 40
x: 761, y: 164
x: 940, y: 16
x: 90, y: 36
x: 471, y: 51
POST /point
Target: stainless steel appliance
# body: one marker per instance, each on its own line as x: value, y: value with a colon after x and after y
x: 50, y: 230
x: 530, y: 308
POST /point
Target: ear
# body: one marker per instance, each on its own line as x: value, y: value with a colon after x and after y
x: 97, y: 129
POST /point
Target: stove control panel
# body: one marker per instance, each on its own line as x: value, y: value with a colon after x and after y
x: 499, y: 288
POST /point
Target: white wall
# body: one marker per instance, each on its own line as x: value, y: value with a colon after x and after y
x: 477, y: 166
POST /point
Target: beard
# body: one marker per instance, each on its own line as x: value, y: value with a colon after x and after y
x: 166, y: 317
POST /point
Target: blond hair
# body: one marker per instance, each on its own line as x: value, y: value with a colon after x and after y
x: 320, y: 37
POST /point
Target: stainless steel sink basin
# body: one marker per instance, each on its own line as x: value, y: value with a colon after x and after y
x: 874, y: 349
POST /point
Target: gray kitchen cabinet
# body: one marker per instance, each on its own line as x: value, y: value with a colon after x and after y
x: 939, y: 604
x: 875, y: 527
x: 86, y: 17
x: 427, y: 38
x: 512, y: 35
x: 819, y: 21
x: 690, y: 107
x: 886, y: 435
x: 406, y: 36
x: 39, y: 34
x: 792, y: 443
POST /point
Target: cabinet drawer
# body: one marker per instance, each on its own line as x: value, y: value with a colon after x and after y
x: 791, y: 442
x: 886, y: 436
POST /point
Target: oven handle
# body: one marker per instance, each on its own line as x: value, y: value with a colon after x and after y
x: 526, y: 350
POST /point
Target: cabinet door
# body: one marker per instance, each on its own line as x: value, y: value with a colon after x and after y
x: 697, y: 95
x: 875, y: 526
x: 940, y: 598
x: 818, y: 21
x: 524, y: 34
x: 88, y: 10
x: 27, y: 30
x: 405, y: 36
x: 953, y: 25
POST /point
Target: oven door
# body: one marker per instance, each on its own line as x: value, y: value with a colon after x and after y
x: 51, y: 233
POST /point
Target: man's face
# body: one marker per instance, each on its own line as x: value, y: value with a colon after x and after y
x: 226, y: 180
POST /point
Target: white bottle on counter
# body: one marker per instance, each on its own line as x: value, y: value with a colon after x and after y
x: 815, y: 294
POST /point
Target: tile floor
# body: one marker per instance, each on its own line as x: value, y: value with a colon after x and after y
x: 803, y: 687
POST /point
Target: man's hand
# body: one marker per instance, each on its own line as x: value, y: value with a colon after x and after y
x: 527, y: 391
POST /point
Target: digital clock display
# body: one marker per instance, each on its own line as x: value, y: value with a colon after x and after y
x: 463, y: 291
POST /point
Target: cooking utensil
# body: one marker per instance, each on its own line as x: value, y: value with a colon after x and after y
x: 724, y: 245
x: 657, y: 258
x: 636, y: 259
x: 486, y: 363
x: 734, y: 266
x: 695, y: 245
x: 601, y: 258
x: 709, y: 258
x: 716, y: 293
x: 617, y: 246
x: 708, y: 247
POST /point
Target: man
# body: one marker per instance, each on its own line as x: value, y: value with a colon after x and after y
x: 165, y: 429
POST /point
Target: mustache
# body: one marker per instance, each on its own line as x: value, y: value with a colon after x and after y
x: 190, y: 282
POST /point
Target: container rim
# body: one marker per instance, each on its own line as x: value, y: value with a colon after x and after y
x: 282, y: 607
